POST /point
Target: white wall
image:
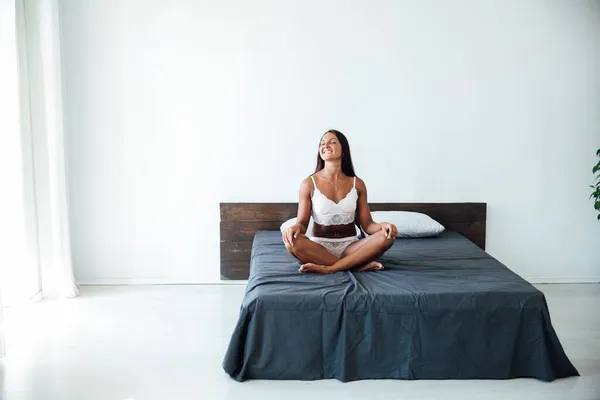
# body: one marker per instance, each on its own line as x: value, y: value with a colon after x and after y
x: 175, y: 106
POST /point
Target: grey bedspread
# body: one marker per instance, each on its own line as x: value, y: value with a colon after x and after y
x: 442, y: 309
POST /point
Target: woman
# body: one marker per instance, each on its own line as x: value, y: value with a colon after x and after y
x: 332, y: 195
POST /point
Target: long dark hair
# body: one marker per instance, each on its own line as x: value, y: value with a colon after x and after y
x: 347, y: 166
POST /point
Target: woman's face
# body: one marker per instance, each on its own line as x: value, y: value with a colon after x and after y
x: 330, y: 148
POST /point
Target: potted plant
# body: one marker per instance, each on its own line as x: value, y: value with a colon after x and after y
x: 596, y: 186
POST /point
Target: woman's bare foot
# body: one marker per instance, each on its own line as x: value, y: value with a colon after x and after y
x: 324, y: 269
x: 372, y: 266
x: 310, y: 267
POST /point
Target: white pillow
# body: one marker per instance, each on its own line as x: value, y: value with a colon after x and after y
x: 410, y: 224
x: 292, y: 221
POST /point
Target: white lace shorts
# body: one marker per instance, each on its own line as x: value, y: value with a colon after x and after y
x: 335, y: 246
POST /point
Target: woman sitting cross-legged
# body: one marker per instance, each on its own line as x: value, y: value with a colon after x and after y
x: 332, y: 195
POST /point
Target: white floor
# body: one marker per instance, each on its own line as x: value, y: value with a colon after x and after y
x: 167, y: 342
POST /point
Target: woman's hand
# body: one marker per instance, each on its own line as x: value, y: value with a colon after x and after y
x: 390, y: 230
x: 290, y: 234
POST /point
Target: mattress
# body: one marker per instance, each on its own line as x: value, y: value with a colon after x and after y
x: 442, y: 309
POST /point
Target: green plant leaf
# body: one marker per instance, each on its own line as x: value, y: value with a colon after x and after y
x: 598, y: 217
x: 597, y: 205
x: 596, y: 168
x: 598, y: 153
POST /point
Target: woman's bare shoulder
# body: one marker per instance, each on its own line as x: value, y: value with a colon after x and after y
x: 306, y: 185
x: 360, y: 184
x: 307, y: 181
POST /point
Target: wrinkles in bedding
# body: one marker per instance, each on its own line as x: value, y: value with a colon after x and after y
x: 442, y: 309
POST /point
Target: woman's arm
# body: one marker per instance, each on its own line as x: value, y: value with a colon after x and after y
x: 304, y: 205
x: 364, y: 214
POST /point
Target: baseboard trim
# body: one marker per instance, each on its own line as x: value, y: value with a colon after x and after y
x: 143, y: 281
x: 564, y: 279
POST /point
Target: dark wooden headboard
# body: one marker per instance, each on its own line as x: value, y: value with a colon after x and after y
x: 240, y: 221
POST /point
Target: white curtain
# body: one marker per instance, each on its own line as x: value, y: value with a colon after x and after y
x: 35, y: 254
x: 2, y: 346
x: 41, y: 86
x: 10, y: 166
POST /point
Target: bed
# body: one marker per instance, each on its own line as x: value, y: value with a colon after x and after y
x: 442, y: 309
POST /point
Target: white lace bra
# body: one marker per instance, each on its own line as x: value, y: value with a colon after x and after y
x: 328, y: 212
